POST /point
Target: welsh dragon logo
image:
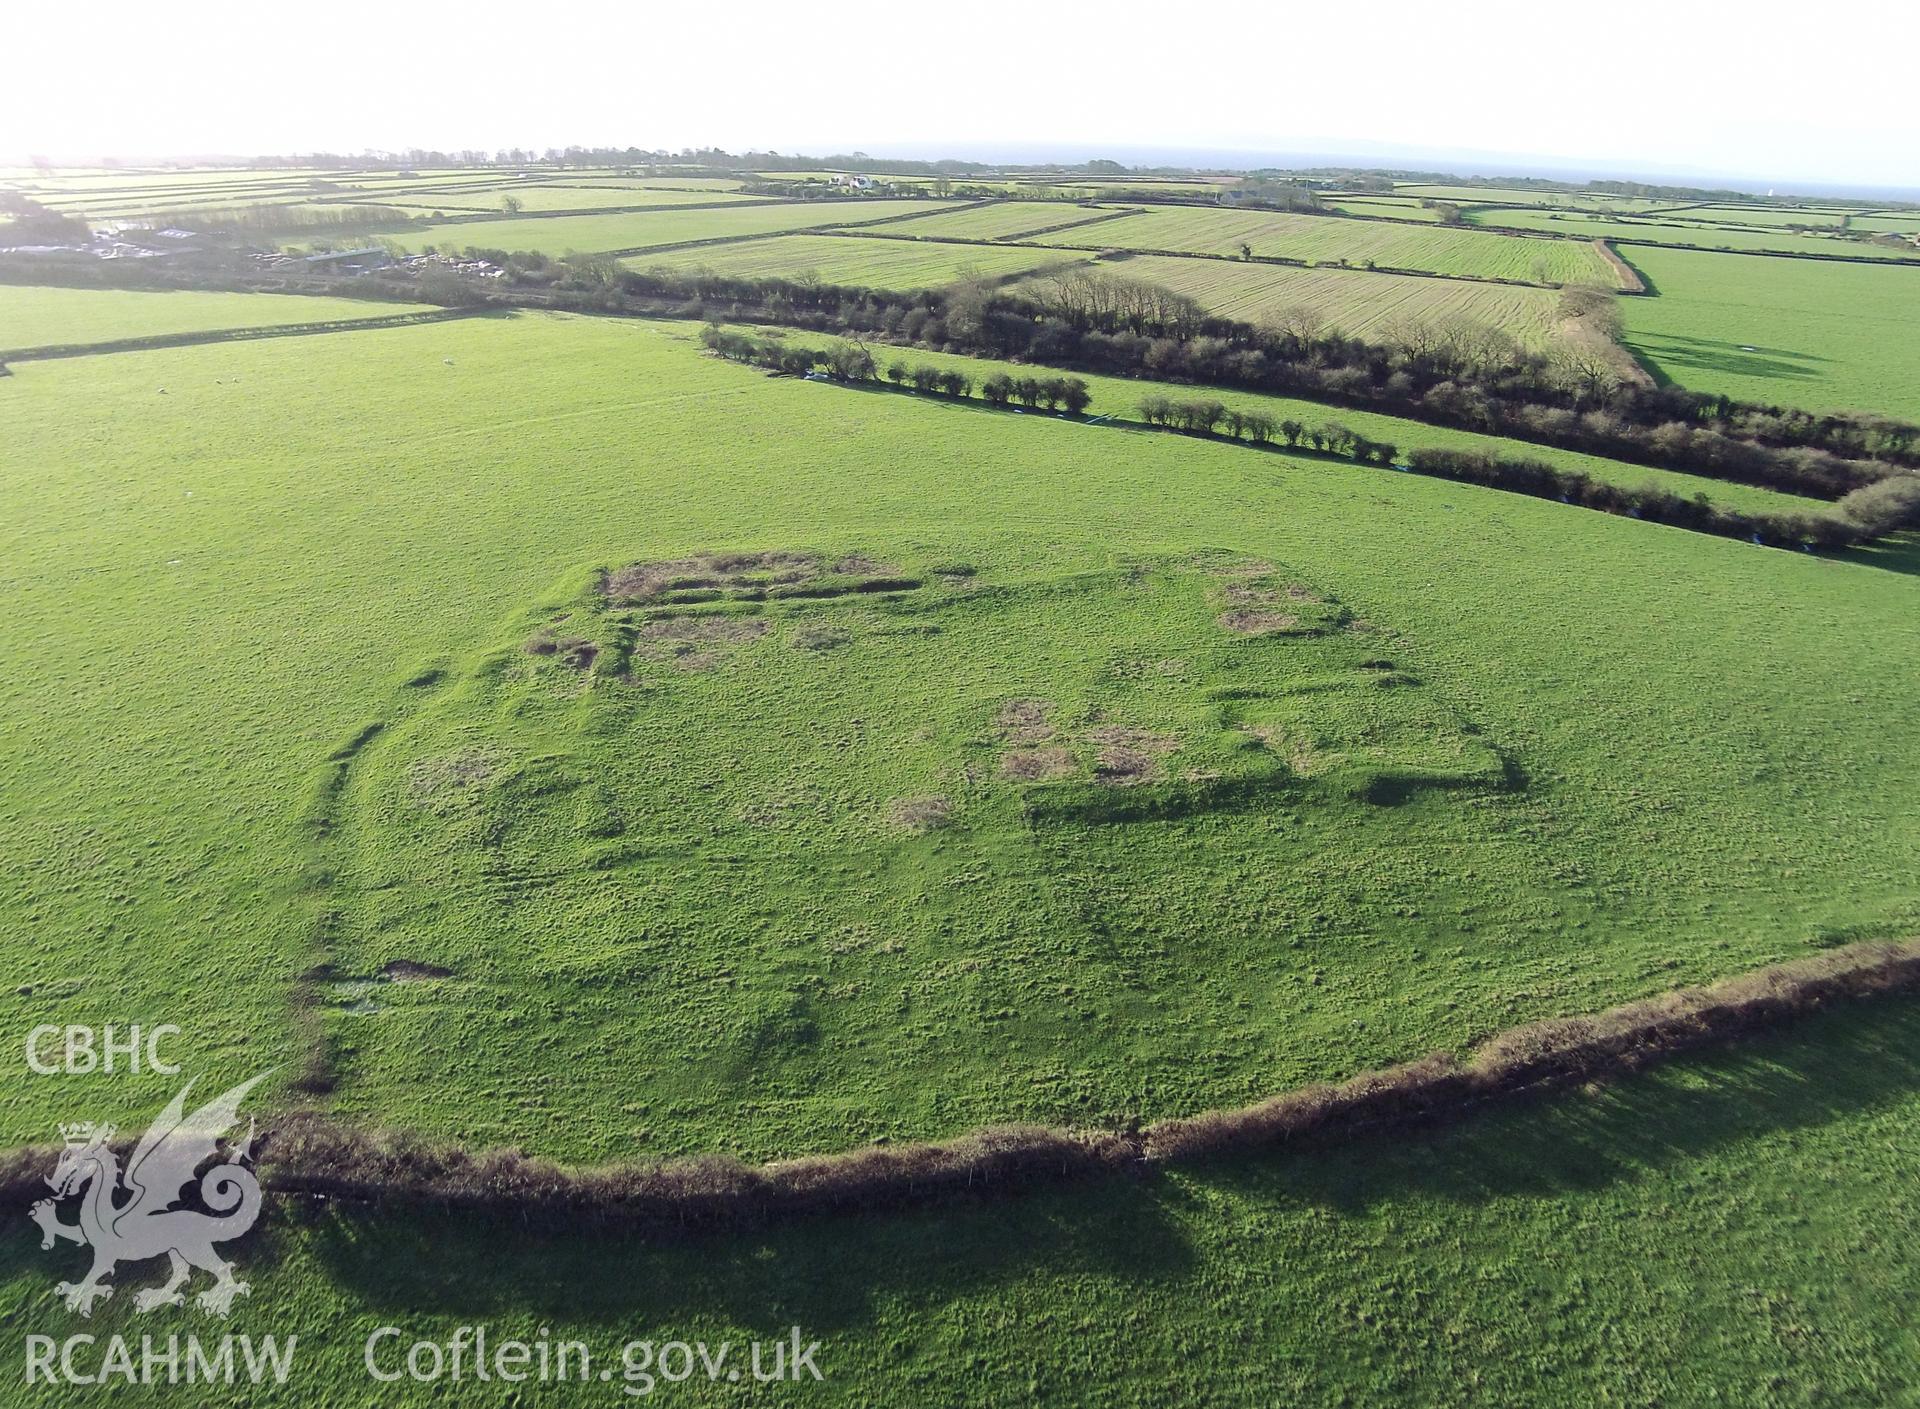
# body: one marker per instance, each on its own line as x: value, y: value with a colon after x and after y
x: 146, y: 1223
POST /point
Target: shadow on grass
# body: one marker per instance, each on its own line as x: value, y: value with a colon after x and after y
x: 842, y: 1271
x: 1855, y: 1058
x: 1900, y: 553
x: 828, y: 1272
x: 1732, y: 359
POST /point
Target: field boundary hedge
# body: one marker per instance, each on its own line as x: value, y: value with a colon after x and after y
x: 309, y: 1154
x: 1207, y: 419
x: 1628, y: 276
x: 51, y: 351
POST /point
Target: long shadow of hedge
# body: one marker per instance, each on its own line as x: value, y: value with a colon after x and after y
x: 830, y: 1272
x: 1847, y: 1060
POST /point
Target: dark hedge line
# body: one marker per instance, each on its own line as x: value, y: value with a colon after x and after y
x: 304, y: 1153
x: 850, y: 362
x: 1496, y: 390
x: 1543, y: 481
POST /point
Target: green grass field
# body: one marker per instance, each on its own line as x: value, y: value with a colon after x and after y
x: 1358, y: 302
x: 1525, y: 196
x: 1903, y: 223
x: 127, y: 205
x: 1328, y: 240
x: 1792, y: 332
x: 1736, y: 1227
x: 1151, y: 774
x: 545, y: 197
x: 1671, y: 230
x: 1120, y: 397
x: 1782, y: 215
x: 1003, y: 220
x: 563, y: 234
x: 872, y: 263
x: 41, y: 317
x: 629, y: 937
x: 1397, y: 208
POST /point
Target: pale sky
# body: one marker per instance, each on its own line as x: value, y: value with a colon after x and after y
x: 1820, y: 92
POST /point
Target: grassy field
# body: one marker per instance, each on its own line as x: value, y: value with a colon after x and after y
x: 1350, y: 843
x: 562, y: 234
x: 1321, y: 239
x: 1782, y: 331
x: 874, y: 263
x: 129, y: 202
x: 544, y: 197
x: 1001, y: 221
x: 1355, y: 301
x: 1120, y: 396
x: 40, y: 317
x: 1904, y: 223
x: 1502, y: 195
x: 1395, y: 207
x: 1829, y: 216
x: 1670, y: 230
x: 1738, y: 1228
x: 646, y: 755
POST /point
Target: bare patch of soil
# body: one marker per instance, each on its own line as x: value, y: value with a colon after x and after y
x: 860, y: 565
x: 1249, y: 622
x: 920, y: 814
x: 751, y: 577
x: 1119, y: 767
x: 1128, y: 755
x: 641, y: 582
x: 1034, y: 765
x: 1258, y: 608
x: 1025, y: 721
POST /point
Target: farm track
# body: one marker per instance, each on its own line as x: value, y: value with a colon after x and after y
x: 1629, y: 277
x: 303, y: 1154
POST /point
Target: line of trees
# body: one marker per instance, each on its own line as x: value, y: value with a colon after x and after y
x: 922, y: 377
x: 1211, y: 418
x: 1067, y: 394
x: 851, y: 362
x: 1867, y: 513
x: 1446, y: 376
x: 1473, y: 379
